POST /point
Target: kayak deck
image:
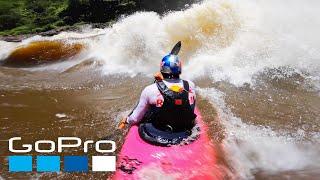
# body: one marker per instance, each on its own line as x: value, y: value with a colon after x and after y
x: 140, y: 160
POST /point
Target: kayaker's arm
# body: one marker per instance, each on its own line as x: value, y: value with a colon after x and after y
x: 140, y: 110
x: 137, y: 113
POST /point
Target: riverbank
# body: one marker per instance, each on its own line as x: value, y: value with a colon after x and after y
x: 74, y: 28
x: 25, y: 18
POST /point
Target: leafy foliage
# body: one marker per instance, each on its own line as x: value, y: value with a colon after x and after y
x: 31, y: 16
x: 26, y: 16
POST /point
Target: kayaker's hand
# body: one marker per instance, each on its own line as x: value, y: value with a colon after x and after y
x: 123, y: 123
x: 158, y: 76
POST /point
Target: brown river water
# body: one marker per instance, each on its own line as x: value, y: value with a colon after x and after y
x: 255, y: 63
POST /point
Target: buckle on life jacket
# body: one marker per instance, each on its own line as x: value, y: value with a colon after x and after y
x: 176, y: 88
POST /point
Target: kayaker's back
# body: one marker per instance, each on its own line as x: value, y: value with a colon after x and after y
x: 154, y: 97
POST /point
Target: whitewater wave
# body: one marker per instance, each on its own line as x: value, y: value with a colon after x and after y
x: 265, y: 40
x: 6, y: 49
x: 136, y: 43
x: 253, y: 148
x: 230, y: 40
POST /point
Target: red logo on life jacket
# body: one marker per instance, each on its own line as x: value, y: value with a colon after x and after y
x: 178, y: 101
x: 159, y: 103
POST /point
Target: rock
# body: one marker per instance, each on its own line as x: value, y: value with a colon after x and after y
x: 51, y: 32
x: 163, y: 6
x: 17, y: 38
x: 41, y: 52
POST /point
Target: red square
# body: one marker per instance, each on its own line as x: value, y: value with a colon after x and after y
x: 178, y: 101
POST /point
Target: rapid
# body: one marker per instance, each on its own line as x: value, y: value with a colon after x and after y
x: 256, y: 64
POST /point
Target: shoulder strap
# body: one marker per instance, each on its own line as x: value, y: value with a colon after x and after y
x: 186, y: 85
x: 164, y: 90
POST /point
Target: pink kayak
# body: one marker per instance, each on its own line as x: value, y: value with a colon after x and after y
x: 141, y: 160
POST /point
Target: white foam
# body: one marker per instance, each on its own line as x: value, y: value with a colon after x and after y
x: 271, y: 35
x: 6, y: 48
x: 262, y: 37
x: 61, y: 115
x: 251, y: 148
x: 137, y: 43
x: 251, y: 36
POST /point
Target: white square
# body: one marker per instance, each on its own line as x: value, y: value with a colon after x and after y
x: 103, y: 163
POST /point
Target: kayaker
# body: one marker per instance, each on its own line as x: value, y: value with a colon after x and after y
x: 168, y: 104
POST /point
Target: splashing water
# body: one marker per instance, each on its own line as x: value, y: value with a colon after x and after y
x: 253, y: 148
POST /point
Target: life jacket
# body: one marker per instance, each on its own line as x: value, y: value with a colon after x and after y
x: 176, y: 113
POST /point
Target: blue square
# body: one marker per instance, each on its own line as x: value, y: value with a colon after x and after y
x: 48, y: 163
x: 20, y: 163
x: 76, y: 164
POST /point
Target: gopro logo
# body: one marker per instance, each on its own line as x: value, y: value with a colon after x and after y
x: 77, y: 142
x: 46, y: 163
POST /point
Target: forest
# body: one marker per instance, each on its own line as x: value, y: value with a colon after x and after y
x: 34, y: 16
